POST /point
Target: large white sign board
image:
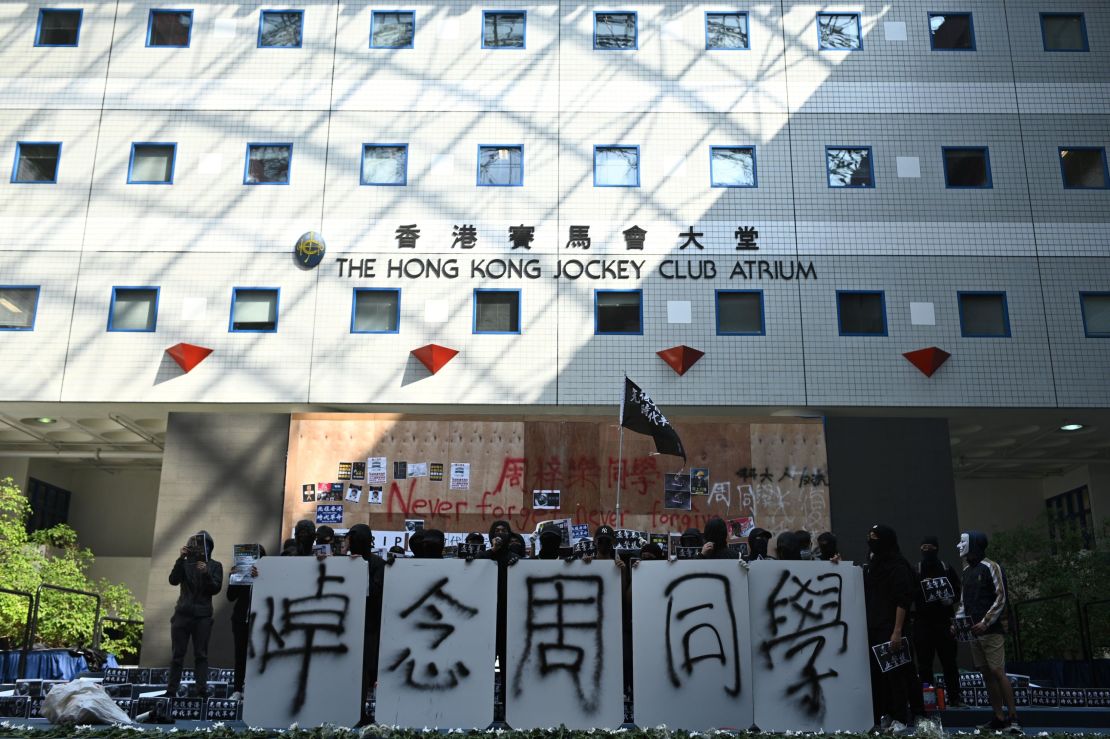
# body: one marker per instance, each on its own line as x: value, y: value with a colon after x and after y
x: 809, y: 646
x: 564, y: 645
x: 307, y: 638
x: 691, y: 646
x: 435, y: 667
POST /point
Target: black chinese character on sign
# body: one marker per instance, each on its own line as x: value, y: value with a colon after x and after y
x: 819, y: 478
x: 428, y: 616
x: 747, y: 473
x: 766, y: 476
x: 686, y: 618
x: 563, y: 633
x: 691, y: 237
x: 310, y: 617
x: 407, y: 236
x: 522, y: 236
x: 788, y: 473
x: 803, y: 615
x: 579, y: 237
x: 745, y: 238
x: 634, y: 238
x: 465, y: 237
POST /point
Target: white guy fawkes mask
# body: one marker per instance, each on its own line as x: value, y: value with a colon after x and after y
x: 964, y: 545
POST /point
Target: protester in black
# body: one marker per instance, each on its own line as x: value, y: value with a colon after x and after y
x: 360, y: 543
x: 325, y: 535
x: 805, y: 544
x: 651, y: 552
x: 550, y: 540
x: 827, y: 549
x: 240, y: 595
x: 500, y: 533
x: 788, y: 547
x: 289, y: 548
x: 432, y: 544
x: 758, y: 539
x: 199, y: 578
x: 304, y: 532
x: 691, y: 537
x: 933, y: 621
x: 416, y: 544
x: 716, y: 540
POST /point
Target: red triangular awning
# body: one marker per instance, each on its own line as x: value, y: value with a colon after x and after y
x: 927, y: 360
x: 188, y: 356
x: 434, y: 356
x: 681, y: 358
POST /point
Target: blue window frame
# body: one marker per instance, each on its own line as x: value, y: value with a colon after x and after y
x: 375, y: 310
x: 861, y: 312
x: 19, y: 307
x: 392, y: 29
x: 951, y: 32
x: 967, y: 167
x: 500, y: 165
x: 384, y: 164
x: 151, y: 163
x: 170, y: 28
x: 280, y: 29
x: 496, y: 311
x: 983, y: 314
x: 619, y: 312
x: 36, y: 162
x: 616, y: 165
x: 254, y: 310
x: 268, y: 164
x: 839, y: 32
x: 504, y: 29
x: 726, y: 31
x: 1084, y: 168
x: 740, y: 313
x: 616, y: 30
x: 1095, y: 308
x: 1064, y: 32
x: 134, y: 309
x: 59, y: 27
x: 732, y: 166
x: 850, y: 166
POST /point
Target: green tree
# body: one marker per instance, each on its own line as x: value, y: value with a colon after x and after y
x: 52, y: 556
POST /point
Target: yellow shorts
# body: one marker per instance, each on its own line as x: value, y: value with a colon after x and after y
x: 989, y: 650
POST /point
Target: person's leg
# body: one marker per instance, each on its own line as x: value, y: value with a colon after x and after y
x: 239, y: 635
x: 945, y: 646
x: 878, y: 681
x: 923, y: 645
x: 180, y: 628
x: 990, y: 681
x: 202, y: 631
x: 897, y: 682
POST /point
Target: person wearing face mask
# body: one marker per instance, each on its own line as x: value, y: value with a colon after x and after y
x: 716, y: 540
x: 933, y: 621
x: 983, y: 600
x: 431, y: 544
x: 827, y: 549
x: 550, y: 541
x: 787, y: 547
x: 758, y: 540
x: 360, y: 543
x: 304, y: 533
x: 198, y: 578
x: 805, y: 544
x: 240, y: 595
x: 500, y: 538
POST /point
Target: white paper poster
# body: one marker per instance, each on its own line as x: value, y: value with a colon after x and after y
x: 306, y: 665
x: 564, y: 645
x: 691, y: 647
x: 418, y: 469
x: 809, y: 646
x: 460, y: 476
x: 438, y: 628
x: 375, y: 470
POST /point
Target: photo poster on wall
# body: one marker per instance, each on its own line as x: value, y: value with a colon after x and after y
x: 676, y: 491
x: 307, y: 621
x: 435, y: 471
x: 438, y: 631
x: 809, y: 646
x: 564, y: 645
x: 691, y: 647
x: 308, y: 492
x: 699, y: 481
x: 344, y: 471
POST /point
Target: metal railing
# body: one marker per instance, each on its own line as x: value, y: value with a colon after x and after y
x: 59, y: 588
x: 26, y: 645
x: 1084, y: 643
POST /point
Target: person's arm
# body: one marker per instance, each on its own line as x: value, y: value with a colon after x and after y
x: 899, y: 622
x: 234, y: 592
x: 177, y: 574
x: 215, y: 577
x: 999, y: 605
x: 902, y: 592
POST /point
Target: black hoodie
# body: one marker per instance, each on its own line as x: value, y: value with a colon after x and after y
x: 930, y: 567
x: 501, y: 555
x: 240, y: 595
x: 550, y: 541
x: 197, y: 588
x: 304, y: 533
x: 788, y: 547
x: 827, y: 546
x: 716, y: 533
x: 888, y: 582
x: 757, y: 544
x: 983, y: 597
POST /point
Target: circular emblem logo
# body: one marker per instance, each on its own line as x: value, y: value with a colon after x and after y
x: 309, y: 250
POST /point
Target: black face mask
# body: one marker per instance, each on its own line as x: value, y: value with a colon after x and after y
x: 759, y: 547
x: 930, y: 555
x: 874, y: 546
x: 828, y: 549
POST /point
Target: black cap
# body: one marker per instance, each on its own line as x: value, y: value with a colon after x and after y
x: 604, y: 531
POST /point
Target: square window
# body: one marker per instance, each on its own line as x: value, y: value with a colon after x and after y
x: 1096, y: 314
x: 58, y: 27
x: 392, y: 29
x: 151, y: 164
x: 839, y: 32
x: 967, y: 167
x: 501, y: 165
x: 133, y: 309
x: 497, y: 311
x: 726, y: 31
x: 36, y: 162
x: 1084, y: 168
x: 385, y: 164
x: 170, y: 28
x: 615, y: 31
x: 1064, y: 32
x: 861, y: 313
x: 616, y: 166
x: 740, y: 313
x: 254, y: 309
x: 280, y: 29
x: 18, y: 307
x: 983, y: 314
x: 503, y: 29
x: 268, y: 164
x: 375, y: 311
x: 849, y: 166
x: 732, y: 166
x: 618, y: 312
x: 951, y: 32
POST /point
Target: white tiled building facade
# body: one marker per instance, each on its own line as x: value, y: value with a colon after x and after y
x: 909, y: 236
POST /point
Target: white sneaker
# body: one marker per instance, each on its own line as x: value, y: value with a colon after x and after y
x: 236, y: 696
x: 899, y: 728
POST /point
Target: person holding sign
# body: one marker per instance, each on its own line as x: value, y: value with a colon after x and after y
x: 240, y: 595
x: 199, y: 577
x: 936, y: 596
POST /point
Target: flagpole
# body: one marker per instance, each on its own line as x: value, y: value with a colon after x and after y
x: 620, y: 469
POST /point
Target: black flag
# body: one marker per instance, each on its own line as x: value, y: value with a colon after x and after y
x: 639, y: 414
